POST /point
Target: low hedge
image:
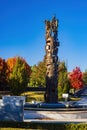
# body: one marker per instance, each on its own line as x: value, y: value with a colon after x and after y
x: 40, y: 126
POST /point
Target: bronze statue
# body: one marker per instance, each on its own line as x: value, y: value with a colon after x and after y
x: 51, y: 48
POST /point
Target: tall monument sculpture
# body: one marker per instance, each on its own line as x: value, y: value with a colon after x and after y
x: 51, y: 48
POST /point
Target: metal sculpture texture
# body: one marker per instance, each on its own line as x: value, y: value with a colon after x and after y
x: 51, y: 48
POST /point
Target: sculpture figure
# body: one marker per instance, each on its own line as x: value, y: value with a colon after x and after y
x: 48, y: 30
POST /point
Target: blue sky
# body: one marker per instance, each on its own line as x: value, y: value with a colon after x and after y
x: 22, y: 30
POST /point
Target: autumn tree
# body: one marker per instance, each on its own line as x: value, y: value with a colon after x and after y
x: 75, y: 78
x: 3, y: 73
x: 63, y: 82
x: 38, y: 75
x: 11, y: 63
x: 19, y: 76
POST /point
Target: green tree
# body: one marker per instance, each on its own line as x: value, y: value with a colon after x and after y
x: 19, y: 77
x: 84, y: 77
x: 63, y: 82
x: 38, y: 75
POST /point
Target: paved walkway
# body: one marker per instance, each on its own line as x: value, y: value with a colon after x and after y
x: 58, y: 121
x: 55, y: 116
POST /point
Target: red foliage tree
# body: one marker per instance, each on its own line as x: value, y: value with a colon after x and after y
x: 3, y: 73
x: 75, y: 78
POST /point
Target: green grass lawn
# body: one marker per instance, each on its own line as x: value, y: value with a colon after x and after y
x: 35, y: 96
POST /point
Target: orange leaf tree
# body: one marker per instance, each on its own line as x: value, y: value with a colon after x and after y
x: 75, y: 78
x: 11, y: 63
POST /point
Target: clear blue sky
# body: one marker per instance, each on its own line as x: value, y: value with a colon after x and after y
x: 22, y: 30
